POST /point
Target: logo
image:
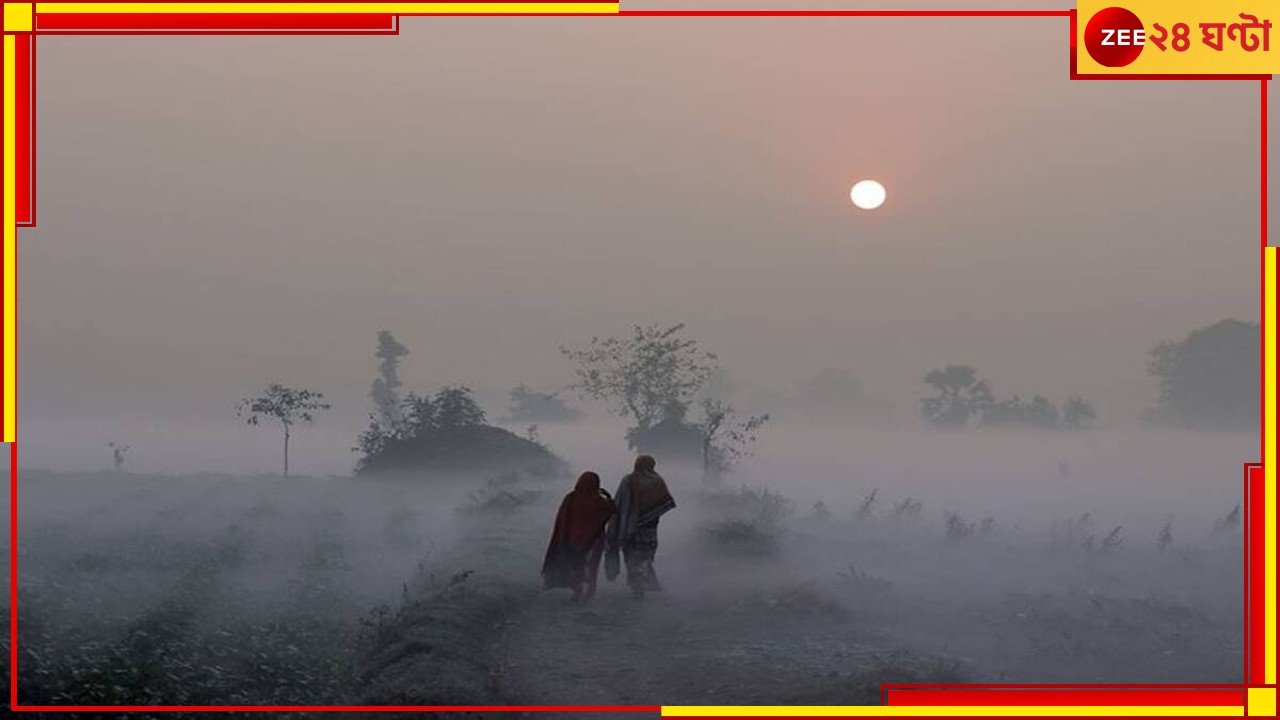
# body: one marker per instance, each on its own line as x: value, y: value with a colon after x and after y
x: 1114, y: 37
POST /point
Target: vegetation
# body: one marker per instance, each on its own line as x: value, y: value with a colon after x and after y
x: 962, y: 400
x: 447, y: 432
x: 287, y: 406
x: 1210, y: 379
x: 961, y: 397
x: 725, y: 440
x: 650, y: 377
x: 532, y: 406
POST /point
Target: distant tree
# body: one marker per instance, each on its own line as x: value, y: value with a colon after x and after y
x: 960, y: 397
x: 1037, y: 412
x: 1210, y: 379
x: 725, y: 439
x: 833, y: 395
x: 286, y: 405
x: 531, y: 406
x: 446, y: 431
x: 118, y: 452
x: 642, y: 375
x: 385, y: 391
x: 1078, y: 413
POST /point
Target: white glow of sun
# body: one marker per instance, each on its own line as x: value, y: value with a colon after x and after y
x: 867, y: 194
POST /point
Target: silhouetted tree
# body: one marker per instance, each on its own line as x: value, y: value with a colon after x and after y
x: 385, y: 391
x: 286, y: 405
x: 531, y: 406
x: 961, y: 396
x: 118, y: 452
x: 644, y: 374
x: 1210, y: 379
x: 725, y: 440
x: 1037, y: 412
x: 1077, y: 413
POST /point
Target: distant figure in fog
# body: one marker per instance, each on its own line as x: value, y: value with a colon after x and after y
x: 642, y: 499
x: 578, y: 540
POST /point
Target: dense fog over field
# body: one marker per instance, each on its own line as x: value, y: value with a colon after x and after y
x: 993, y: 431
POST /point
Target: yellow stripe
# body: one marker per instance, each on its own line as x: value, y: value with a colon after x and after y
x: 1269, y: 460
x: 392, y: 8
x: 10, y: 232
x: 956, y: 711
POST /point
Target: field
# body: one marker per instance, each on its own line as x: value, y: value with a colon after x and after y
x: 780, y: 588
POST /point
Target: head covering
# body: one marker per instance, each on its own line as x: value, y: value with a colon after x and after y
x: 580, y: 523
x: 642, y: 497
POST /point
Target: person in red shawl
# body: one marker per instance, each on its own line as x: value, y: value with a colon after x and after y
x: 577, y: 542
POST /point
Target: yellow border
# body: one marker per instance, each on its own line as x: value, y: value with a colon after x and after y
x: 10, y: 211
x: 1269, y: 256
x: 17, y: 18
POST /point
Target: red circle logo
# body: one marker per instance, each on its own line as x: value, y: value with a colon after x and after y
x: 1114, y: 37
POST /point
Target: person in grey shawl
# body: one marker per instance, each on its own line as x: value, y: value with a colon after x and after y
x: 642, y: 499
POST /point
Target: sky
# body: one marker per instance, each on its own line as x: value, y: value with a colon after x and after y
x: 218, y: 213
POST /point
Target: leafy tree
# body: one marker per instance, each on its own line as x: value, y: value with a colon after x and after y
x: 531, y: 406
x: 385, y: 391
x: 645, y: 374
x: 1211, y: 378
x: 725, y: 439
x: 960, y: 396
x: 286, y: 405
x: 1036, y: 412
x: 1077, y: 413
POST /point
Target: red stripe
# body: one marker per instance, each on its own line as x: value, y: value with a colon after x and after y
x: 25, y: 214
x: 1257, y: 570
x: 1080, y: 698
x: 161, y: 22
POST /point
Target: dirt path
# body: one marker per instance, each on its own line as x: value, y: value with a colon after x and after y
x: 677, y: 649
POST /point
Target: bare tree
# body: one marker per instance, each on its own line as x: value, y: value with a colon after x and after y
x: 286, y: 405
x: 642, y: 375
x: 725, y: 440
x: 118, y: 452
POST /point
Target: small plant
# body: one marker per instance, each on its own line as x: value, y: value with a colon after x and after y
x: 868, y: 504
x: 906, y: 509
x: 1113, y: 540
x: 1166, y: 535
x: 1227, y: 523
x: 957, y: 528
x: 863, y: 580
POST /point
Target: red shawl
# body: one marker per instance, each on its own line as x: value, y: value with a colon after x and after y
x: 579, y: 525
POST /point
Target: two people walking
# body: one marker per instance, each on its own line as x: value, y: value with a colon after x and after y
x: 592, y: 525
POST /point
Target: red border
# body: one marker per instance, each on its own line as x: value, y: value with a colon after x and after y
x: 1028, y: 694
x: 213, y: 23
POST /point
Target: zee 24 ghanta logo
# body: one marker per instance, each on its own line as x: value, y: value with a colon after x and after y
x: 1115, y: 37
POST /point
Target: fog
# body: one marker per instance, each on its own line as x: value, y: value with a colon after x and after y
x: 221, y: 213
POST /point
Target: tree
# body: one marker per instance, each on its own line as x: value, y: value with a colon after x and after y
x: 725, y: 440
x: 385, y: 391
x: 286, y: 405
x: 531, y: 406
x: 1210, y: 379
x: 961, y: 396
x: 1077, y: 413
x: 118, y: 452
x: 642, y: 375
x: 1037, y: 412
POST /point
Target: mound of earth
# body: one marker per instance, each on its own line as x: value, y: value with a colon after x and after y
x: 466, y: 448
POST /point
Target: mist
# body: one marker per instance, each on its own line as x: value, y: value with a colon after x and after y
x: 218, y: 214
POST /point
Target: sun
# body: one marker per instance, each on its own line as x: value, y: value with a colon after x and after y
x: 867, y: 194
